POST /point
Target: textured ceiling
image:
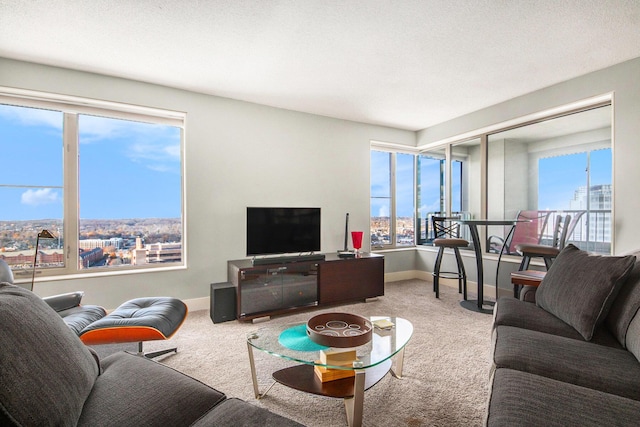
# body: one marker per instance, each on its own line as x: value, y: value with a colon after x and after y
x: 401, y: 63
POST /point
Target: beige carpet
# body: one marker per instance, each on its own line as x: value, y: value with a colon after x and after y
x: 446, y: 368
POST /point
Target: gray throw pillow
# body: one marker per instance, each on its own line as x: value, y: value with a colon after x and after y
x: 46, y: 372
x: 580, y: 287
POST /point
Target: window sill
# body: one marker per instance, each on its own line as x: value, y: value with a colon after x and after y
x: 95, y: 274
x: 397, y: 249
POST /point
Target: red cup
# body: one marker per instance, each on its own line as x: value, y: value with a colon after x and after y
x: 356, y: 237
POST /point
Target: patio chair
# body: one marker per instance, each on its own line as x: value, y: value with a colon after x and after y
x: 529, y: 231
x: 563, y: 227
x: 547, y: 252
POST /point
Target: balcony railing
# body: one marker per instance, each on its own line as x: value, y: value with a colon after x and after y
x: 590, y: 230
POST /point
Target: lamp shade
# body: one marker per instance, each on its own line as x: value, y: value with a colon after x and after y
x: 45, y: 234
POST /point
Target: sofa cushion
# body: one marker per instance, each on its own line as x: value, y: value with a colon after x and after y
x: 633, y: 337
x: 528, y: 293
x: 237, y: 413
x: 580, y: 287
x: 66, y: 301
x: 78, y: 318
x: 626, y: 305
x: 510, y: 311
x: 6, y: 274
x: 611, y: 370
x: 137, y: 391
x: 46, y: 373
x: 522, y: 399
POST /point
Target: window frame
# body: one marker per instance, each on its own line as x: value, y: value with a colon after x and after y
x: 393, y: 151
x: 72, y: 107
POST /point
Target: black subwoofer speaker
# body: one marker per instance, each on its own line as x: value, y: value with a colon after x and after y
x: 223, y: 302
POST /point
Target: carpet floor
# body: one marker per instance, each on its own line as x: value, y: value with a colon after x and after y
x: 445, y: 374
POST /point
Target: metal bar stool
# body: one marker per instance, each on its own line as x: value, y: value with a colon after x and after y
x: 446, y: 233
x: 547, y: 252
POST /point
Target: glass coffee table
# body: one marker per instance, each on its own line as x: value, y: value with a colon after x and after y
x: 374, y: 361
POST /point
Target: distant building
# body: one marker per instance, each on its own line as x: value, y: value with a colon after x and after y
x: 48, y: 257
x: 116, y: 242
x: 155, y: 253
x: 90, y: 257
x: 597, y: 200
x: 139, y: 254
x: 164, y: 252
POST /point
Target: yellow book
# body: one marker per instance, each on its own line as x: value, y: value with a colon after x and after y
x: 326, y: 374
x: 341, y: 357
x: 383, y: 324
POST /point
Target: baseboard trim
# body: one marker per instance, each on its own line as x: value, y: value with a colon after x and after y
x: 195, y: 304
x: 489, y: 290
x: 204, y: 303
x: 406, y: 275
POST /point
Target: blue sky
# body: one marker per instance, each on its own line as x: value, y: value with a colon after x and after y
x: 380, y: 184
x: 430, y: 184
x: 559, y: 177
x: 127, y: 169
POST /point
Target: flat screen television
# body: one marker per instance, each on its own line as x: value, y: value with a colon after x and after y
x: 282, y: 230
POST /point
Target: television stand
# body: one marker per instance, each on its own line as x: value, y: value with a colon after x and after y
x: 287, y: 259
x: 278, y: 287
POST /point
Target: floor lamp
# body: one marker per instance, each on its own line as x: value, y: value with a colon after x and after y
x: 44, y: 234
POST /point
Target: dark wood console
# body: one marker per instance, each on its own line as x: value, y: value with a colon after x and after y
x: 350, y: 279
x: 270, y: 289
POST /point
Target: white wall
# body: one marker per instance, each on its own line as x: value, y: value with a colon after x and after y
x: 238, y: 154
x: 241, y: 154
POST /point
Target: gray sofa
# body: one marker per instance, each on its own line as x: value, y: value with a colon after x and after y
x: 48, y: 377
x: 69, y: 306
x: 572, y: 356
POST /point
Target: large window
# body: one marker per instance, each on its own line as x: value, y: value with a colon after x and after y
x: 435, y: 195
x: 381, y: 201
x: 555, y: 167
x: 561, y: 167
x: 392, y: 199
x: 431, y: 191
x: 107, y: 184
x: 405, y: 199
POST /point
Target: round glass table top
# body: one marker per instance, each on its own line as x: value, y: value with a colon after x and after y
x: 291, y: 342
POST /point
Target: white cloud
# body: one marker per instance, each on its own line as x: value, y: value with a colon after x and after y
x: 32, y: 116
x: 155, y: 147
x: 98, y: 129
x: 384, y: 211
x: 43, y: 196
x: 155, y: 156
x: 173, y: 151
x: 159, y: 168
x: 433, y: 207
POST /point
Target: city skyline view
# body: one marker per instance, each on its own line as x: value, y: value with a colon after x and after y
x: 129, y: 187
